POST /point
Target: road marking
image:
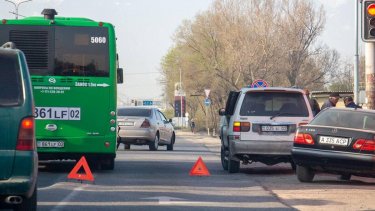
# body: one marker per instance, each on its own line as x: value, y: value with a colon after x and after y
x: 163, y: 199
x: 170, y: 203
x: 66, y: 199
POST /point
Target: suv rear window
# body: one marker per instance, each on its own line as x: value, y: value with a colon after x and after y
x: 10, y: 84
x: 134, y: 112
x: 274, y: 103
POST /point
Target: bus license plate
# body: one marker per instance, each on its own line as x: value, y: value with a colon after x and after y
x: 58, y: 113
x: 50, y: 144
x: 333, y: 140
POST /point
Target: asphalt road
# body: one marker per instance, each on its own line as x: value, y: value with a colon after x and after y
x: 145, y: 180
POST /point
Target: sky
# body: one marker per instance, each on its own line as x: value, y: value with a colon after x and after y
x: 144, y: 30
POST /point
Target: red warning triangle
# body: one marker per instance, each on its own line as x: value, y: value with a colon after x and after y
x: 199, y: 169
x: 74, y: 173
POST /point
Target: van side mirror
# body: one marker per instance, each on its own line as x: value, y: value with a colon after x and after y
x: 120, y: 76
x: 222, y: 112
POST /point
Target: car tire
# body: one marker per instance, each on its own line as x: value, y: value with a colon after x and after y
x: 233, y: 165
x: 127, y: 146
x: 153, y: 146
x: 224, y: 159
x: 29, y: 204
x: 345, y: 177
x: 304, y: 173
x: 293, y: 165
x: 109, y: 164
x: 170, y: 146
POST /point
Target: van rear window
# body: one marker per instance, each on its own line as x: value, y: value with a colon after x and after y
x: 274, y: 103
x: 10, y: 83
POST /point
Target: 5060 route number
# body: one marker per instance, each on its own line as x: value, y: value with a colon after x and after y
x: 58, y: 113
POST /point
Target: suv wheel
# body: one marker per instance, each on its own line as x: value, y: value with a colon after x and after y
x: 153, y: 146
x: 233, y: 165
x: 305, y: 174
x: 28, y: 203
x: 224, y: 159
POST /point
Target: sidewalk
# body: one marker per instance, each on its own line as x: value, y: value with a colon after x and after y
x: 199, y: 136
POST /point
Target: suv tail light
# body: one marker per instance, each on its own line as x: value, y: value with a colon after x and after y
x: 26, y: 132
x: 364, y: 144
x: 303, y: 138
x: 145, y: 124
x: 302, y: 123
x: 241, y: 126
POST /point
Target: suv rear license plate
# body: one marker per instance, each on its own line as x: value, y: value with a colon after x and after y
x: 274, y: 128
x: 50, y: 144
x: 334, y: 140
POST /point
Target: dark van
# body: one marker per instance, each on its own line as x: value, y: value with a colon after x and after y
x: 18, y: 156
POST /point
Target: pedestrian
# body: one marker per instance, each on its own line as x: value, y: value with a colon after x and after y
x: 349, y: 103
x: 192, y: 126
x: 313, y: 103
x: 332, y: 100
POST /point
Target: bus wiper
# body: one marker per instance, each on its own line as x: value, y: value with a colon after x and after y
x: 279, y: 114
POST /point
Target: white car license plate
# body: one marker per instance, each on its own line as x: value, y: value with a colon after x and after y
x: 126, y: 123
x: 50, y: 144
x: 334, y: 140
x: 274, y: 128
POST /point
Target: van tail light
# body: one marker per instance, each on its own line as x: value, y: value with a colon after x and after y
x: 145, y: 124
x: 26, y: 135
x: 241, y: 126
x: 364, y: 144
x: 303, y: 138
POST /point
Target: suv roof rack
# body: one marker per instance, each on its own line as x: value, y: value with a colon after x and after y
x: 10, y: 45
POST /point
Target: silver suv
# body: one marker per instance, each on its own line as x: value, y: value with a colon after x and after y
x: 259, y: 125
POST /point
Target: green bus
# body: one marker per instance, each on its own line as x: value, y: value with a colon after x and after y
x: 74, y: 72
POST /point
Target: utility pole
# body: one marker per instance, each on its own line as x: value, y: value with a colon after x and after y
x: 368, y: 36
x: 16, y: 5
x: 181, y: 115
x: 356, y: 56
x: 370, y: 74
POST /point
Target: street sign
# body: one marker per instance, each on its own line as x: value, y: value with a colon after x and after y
x: 148, y: 103
x: 207, y: 92
x: 207, y: 102
x: 259, y: 84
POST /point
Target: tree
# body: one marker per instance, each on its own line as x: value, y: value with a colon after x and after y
x: 237, y: 41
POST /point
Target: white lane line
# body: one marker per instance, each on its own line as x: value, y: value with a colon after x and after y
x: 170, y: 203
x: 66, y: 199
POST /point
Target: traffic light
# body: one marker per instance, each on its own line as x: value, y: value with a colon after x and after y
x: 368, y: 20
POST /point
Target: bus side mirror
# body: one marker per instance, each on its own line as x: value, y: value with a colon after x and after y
x: 120, y: 76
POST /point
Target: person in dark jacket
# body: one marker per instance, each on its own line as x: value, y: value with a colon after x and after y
x: 313, y: 103
x: 332, y: 100
x: 349, y: 103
